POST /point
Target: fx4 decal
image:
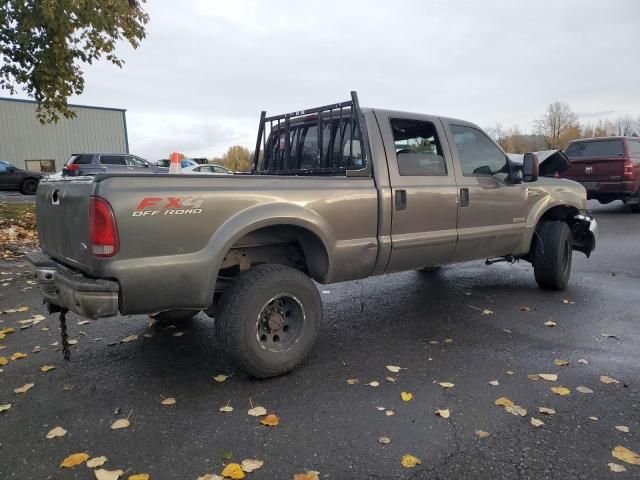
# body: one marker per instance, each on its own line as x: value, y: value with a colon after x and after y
x: 153, y: 206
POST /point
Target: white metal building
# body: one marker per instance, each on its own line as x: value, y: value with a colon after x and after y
x: 26, y: 143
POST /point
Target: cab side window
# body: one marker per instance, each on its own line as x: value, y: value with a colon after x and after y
x: 417, y: 147
x: 477, y: 153
x: 112, y: 160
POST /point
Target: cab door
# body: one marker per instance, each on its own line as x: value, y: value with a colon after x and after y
x: 424, y: 192
x: 491, y: 210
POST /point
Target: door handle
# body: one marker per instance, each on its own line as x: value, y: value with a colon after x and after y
x: 464, y: 197
x: 401, y: 199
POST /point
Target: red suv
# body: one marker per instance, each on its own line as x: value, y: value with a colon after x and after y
x: 608, y: 167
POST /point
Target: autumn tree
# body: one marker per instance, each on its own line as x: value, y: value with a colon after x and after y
x: 44, y: 44
x: 623, y: 125
x: 237, y: 159
x: 556, y: 124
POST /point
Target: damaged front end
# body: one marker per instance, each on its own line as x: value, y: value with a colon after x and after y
x: 584, y: 230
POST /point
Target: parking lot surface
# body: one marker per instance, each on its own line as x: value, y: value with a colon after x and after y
x: 465, y: 325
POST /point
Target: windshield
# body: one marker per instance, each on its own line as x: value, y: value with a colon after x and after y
x: 595, y: 148
x: 187, y: 163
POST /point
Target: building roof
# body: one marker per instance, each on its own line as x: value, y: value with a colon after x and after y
x: 93, y: 107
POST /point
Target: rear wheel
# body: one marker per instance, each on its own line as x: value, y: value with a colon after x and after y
x: 553, y: 250
x: 29, y: 186
x: 268, y: 319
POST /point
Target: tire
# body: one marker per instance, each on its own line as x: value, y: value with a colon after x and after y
x: 268, y: 319
x: 175, y: 316
x: 29, y: 186
x: 553, y: 251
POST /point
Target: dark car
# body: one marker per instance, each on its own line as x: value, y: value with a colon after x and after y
x: 80, y: 164
x: 608, y: 167
x: 14, y: 178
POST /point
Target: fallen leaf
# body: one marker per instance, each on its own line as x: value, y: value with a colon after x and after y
x: 390, y: 379
x: 380, y: 409
x: 525, y: 309
x: 384, y: 440
x: 550, y: 323
x: 18, y: 356
x: 406, y: 396
x: 3, y: 361
x: 352, y: 381
x: 56, y: 432
x: 96, y: 462
x: 177, y: 334
x: 24, y: 389
x: 549, y: 377
x: 583, y: 361
x: 582, y: 389
x: 226, y: 409
x: 250, y: 464
x: 409, y: 461
x: 46, y: 368
x: 446, y: 384
x: 4, y: 407
x: 210, y: 476
x: 448, y: 340
x: 495, y: 383
x: 533, y: 376
x: 102, y: 474
x: 626, y: 455
x: 393, y: 368
x: 516, y: 410
x: 482, y: 434
x: 608, y: 335
x: 546, y: 410
x: 562, y: 391
x: 595, y: 419
x: 486, y: 311
x: 17, y: 310
x: 168, y: 401
x: 139, y: 476
x: 566, y: 300
x: 374, y: 384
x: 257, y: 411
x: 389, y: 413
x: 233, y: 470
x: 616, y: 467
x: 128, y: 339
x: 121, y: 423
x: 503, y: 402
x: 73, y: 342
x: 560, y: 363
x: 83, y: 322
x: 434, y: 342
x: 220, y: 378
x: 306, y: 476
x: 74, y: 459
x: 445, y: 413
x: 604, y: 379
x: 270, y: 420
x: 36, y: 349
x: 536, y: 423
x: 509, y: 372
x: 6, y: 331
x: 622, y: 428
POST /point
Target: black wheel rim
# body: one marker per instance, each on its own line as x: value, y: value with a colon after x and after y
x: 280, y: 323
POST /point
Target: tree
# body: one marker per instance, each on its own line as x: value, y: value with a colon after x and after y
x: 623, y: 125
x: 237, y: 159
x: 44, y: 43
x: 555, y: 123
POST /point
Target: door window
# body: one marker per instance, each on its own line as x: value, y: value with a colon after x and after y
x: 417, y: 147
x: 135, y: 162
x: 477, y: 153
x: 634, y: 147
x: 112, y: 160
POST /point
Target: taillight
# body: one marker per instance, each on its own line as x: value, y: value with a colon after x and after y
x: 73, y: 167
x: 102, y: 229
x: 628, y: 170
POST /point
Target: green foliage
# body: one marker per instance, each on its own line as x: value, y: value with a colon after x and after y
x: 44, y: 43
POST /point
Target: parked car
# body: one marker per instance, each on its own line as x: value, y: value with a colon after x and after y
x: 81, y: 164
x: 338, y: 193
x: 184, y: 163
x: 608, y: 167
x: 14, y: 178
x: 208, y: 169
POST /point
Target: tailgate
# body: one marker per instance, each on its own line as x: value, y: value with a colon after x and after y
x: 595, y: 170
x: 62, y: 213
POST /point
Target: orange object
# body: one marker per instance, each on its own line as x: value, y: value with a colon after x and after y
x: 174, y: 167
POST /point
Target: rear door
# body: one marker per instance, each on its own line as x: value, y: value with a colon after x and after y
x: 594, y: 161
x: 491, y: 211
x: 424, y: 217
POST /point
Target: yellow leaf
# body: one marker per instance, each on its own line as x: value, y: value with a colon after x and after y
x: 233, y: 470
x: 56, y: 432
x: 409, y: 461
x: 96, y: 462
x: 626, y: 455
x: 46, y: 368
x: 582, y: 389
x: 536, y: 423
x: 616, y: 467
x: 226, y: 409
x: 560, y: 363
x: 495, y: 383
x: 4, y: 407
x: 102, y: 474
x: 390, y: 379
x: 25, y: 388
x: 220, y: 378
x: 503, y: 402
x: 168, y: 401
x: 139, y: 476
x: 546, y: 410
x: 121, y: 423
x: 393, y: 368
x: 550, y: 323
x: 73, y: 460
x: 549, y: 377
x: 482, y: 433
x: 445, y: 413
x: 3, y: 361
x: 352, y: 381
x: 486, y: 311
x: 257, y: 411
x: 622, y: 428
x: 562, y: 391
x: 18, y: 356
x: 509, y: 372
x: 446, y: 384
x: 406, y: 396
x: 516, y: 410
x: 177, y: 334
x: 533, y: 376
x: 384, y: 440
x: 389, y: 413
x: 6, y: 331
x: 604, y: 379
x: 250, y: 464
x: 128, y: 339
x: 270, y: 420
x: 374, y: 384
x: 210, y: 476
x: 306, y: 476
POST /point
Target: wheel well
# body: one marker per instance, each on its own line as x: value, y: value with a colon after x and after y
x: 582, y: 240
x: 282, y: 244
x: 559, y: 212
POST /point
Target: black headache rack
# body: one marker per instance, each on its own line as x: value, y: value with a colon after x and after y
x: 298, y: 143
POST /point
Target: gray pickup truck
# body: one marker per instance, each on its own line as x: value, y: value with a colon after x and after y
x: 337, y: 193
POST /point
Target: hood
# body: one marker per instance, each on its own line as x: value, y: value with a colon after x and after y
x: 551, y: 161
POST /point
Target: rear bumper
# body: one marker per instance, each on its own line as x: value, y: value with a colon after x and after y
x: 619, y: 189
x: 62, y: 287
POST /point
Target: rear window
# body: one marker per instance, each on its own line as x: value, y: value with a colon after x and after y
x: 112, y: 160
x: 594, y: 149
x: 79, y: 160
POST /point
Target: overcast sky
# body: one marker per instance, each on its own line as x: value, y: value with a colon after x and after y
x: 207, y: 68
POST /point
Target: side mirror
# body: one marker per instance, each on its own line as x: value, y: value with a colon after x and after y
x: 530, y: 167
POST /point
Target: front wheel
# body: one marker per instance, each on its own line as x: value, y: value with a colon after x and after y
x: 552, y: 254
x: 29, y: 186
x: 268, y: 319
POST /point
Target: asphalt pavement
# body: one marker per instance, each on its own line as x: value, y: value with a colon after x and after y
x: 437, y: 327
